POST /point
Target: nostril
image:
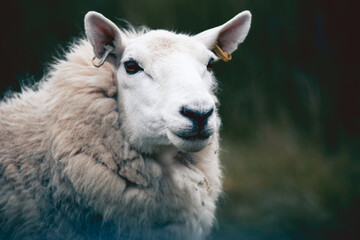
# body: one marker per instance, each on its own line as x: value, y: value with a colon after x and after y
x: 198, y: 117
x: 209, y: 113
x: 186, y: 112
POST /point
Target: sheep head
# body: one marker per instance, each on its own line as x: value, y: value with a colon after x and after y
x: 165, y: 80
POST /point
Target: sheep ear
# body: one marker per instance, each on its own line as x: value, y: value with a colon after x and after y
x: 229, y: 35
x: 103, y: 35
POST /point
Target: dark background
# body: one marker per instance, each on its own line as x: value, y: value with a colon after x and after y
x: 289, y: 102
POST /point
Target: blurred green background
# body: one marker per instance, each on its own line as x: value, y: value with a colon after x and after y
x: 289, y: 102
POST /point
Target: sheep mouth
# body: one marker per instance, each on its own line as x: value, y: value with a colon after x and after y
x: 189, y: 141
x: 194, y: 137
x: 198, y: 134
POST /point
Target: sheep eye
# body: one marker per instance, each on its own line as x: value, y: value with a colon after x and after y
x: 132, y: 67
x: 210, y: 64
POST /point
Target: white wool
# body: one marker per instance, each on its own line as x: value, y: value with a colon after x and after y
x: 95, y: 153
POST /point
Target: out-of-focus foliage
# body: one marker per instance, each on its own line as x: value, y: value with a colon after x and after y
x: 289, y: 102
x: 280, y: 185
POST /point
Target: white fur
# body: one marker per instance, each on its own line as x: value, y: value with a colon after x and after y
x: 173, y: 76
x: 95, y: 153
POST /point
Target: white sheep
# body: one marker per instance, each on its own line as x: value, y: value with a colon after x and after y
x: 121, y: 146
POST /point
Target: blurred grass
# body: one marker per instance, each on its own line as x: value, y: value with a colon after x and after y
x: 280, y: 185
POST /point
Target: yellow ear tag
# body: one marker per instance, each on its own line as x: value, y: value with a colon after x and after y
x: 221, y: 54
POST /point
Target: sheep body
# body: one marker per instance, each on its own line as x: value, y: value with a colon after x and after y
x: 117, y: 151
x: 67, y: 171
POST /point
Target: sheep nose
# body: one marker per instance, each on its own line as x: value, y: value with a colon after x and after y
x: 198, y: 118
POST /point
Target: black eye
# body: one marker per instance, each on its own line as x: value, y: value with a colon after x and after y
x: 210, y: 64
x: 132, y: 67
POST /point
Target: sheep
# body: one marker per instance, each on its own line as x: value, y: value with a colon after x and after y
x: 120, y: 139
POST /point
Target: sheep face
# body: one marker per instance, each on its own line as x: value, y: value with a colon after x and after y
x: 165, y: 80
x: 166, y: 91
